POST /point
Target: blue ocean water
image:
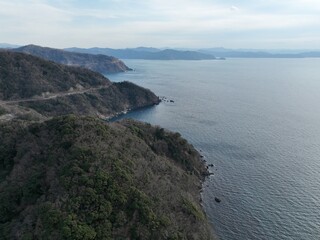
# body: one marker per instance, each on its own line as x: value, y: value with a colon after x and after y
x: 258, y: 122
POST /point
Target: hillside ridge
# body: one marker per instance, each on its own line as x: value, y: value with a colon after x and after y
x: 29, y: 83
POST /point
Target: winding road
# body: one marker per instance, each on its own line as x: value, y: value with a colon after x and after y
x: 53, y: 95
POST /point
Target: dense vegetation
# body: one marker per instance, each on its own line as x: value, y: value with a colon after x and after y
x: 81, y: 178
x: 2, y: 111
x: 98, y: 63
x: 25, y: 76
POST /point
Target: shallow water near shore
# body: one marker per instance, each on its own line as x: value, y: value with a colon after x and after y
x: 258, y: 122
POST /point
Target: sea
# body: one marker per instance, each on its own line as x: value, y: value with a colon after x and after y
x: 258, y: 122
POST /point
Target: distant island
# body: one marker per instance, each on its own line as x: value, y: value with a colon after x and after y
x: 65, y: 173
x: 99, y: 63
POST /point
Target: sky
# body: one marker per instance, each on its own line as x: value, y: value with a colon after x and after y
x: 254, y: 24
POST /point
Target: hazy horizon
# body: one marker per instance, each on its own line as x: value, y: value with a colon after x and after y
x: 271, y: 50
x: 286, y: 24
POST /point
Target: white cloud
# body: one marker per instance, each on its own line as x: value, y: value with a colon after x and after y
x: 122, y: 23
x: 234, y: 8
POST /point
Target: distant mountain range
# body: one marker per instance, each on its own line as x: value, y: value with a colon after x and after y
x: 8, y: 45
x: 146, y: 53
x: 251, y: 53
x: 99, y: 63
x: 198, y: 54
x: 150, y: 53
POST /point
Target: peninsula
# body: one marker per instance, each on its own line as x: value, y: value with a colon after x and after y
x: 33, y: 87
x: 67, y: 174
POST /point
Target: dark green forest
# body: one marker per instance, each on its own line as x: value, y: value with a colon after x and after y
x: 82, y: 178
